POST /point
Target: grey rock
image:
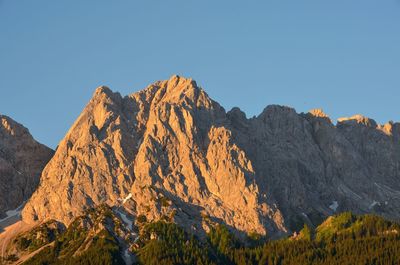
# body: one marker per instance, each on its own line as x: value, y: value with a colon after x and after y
x: 21, y: 162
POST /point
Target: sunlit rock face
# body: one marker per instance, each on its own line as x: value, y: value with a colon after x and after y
x: 169, y: 151
x: 21, y: 162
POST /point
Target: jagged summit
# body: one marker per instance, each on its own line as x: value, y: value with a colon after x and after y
x: 237, y: 112
x: 359, y: 119
x: 176, y: 81
x: 11, y: 127
x: 174, y: 85
x: 103, y: 89
x: 170, y: 151
x: 177, y: 90
x: 274, y: 108
x: 388, y: 127
x: 319, y: 113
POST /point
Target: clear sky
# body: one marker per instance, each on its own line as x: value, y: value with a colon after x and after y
x: 342, y: 55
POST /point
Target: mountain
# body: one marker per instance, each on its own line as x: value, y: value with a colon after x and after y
x: 22, y: 159
x: 171, y: 152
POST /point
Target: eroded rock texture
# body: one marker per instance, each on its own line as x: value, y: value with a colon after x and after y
x: 171, y: 151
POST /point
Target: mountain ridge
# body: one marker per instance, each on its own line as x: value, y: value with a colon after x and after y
x: 172, y: 143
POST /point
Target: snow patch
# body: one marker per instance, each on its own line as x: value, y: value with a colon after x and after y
x: 334, y: 206
x: 139, y: 143
x: 12, y: 213
x: 126, y: 220
x: 373, y: 204
x: 127, y: 198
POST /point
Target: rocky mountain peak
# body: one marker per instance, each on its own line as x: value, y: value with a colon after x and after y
x: 237, y: 115
x: 9, y: 126
x: 106, y: 95
x: 170, y: 152
x: 387, y: 128
x: 277, y: 111
x: 358, y: 119
x: 103, y: 90
x: 180, y: 90
x: 177, y: 81
x: 319, y: 113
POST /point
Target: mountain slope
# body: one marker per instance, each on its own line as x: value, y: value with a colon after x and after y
x: 169, y: 151
x: 21, y: 162
x: 98, y: 237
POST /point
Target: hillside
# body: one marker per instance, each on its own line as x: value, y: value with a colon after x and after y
x: 99, y: 237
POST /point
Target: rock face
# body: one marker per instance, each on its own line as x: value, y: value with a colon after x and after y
x: 21, y: 162
x: 169, y: 151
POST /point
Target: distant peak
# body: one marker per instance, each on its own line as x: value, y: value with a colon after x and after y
x: 318, y: 113
x: 11, y: 126
x: 237, y: 113
x: 278, y: 109
x: 6, y: 122
x: 5, y: 118
x: 359, y: 119
x: 387, y: 128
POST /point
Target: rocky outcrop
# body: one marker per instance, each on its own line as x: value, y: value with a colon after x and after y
x: 169, y: 151
x: 21, y: 162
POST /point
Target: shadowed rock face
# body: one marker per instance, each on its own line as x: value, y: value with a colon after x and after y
x: 171, y: 151
x: 21, y: 162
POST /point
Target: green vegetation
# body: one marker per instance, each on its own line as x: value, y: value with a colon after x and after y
x: 341, y: 239
x: 222, y: 240
x: 164, y: 243
x: 101, y: 250
x: 306, y: 233
x: 38, y: 237
x: 87, y: 241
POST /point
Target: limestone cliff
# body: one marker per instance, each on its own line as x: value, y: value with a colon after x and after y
x: 169, y: 151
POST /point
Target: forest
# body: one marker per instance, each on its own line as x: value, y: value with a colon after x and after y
x: 342, y: 239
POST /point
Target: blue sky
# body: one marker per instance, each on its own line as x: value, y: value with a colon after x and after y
x: 342, y: 56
